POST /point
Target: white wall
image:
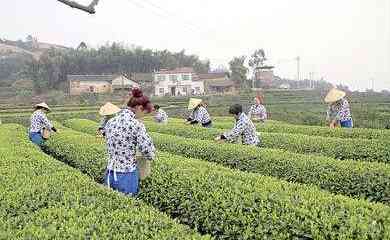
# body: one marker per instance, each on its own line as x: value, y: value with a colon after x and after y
x: 167, y: 84
x: 198, y: 84
x: 118, y: 82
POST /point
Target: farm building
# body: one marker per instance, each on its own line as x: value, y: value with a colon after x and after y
x: 79, y: 84
x: 178, y: 82
x: 217, y: 83
x: 264, y: 76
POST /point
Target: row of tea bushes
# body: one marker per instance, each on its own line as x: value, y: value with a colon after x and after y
x: 231, y: 204
x: 41, y: 198
x: 280, y: 127
x: 351, y: 178
x: 355, y: 149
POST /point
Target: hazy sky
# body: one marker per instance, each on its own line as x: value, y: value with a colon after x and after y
x: 345, y: 41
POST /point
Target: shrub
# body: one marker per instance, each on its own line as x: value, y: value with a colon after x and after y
x: 230, y: 204
x: 351, y: 178
x: 355, y: 149
x: 41, y: 198
x: 279, y: 127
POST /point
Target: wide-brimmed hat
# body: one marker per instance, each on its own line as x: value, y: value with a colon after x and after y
x: 109, y: 109
x: 43, y: 105
x: 193, y: 103
x: 334, y: 95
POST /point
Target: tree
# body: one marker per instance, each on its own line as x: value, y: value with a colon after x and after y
x: 257, y: 59
x: 82, y: 46
x: 238, y: 71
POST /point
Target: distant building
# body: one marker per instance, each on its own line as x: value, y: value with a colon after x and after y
x: 264, y: 76
x: 79, y: 84
x: 284, y: 86
x: 217, y: 83
x: 178, y: 82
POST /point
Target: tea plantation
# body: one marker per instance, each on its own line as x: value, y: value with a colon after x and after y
x: 304, y: 182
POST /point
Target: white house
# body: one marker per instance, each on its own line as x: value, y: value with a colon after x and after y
x: 178, y: 82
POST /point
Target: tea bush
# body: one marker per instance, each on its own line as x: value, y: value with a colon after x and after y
x: 41, y: 198
x: 356, y: 149
x: 230, y: 204
x: 280, y: 127
x: 351, y: 178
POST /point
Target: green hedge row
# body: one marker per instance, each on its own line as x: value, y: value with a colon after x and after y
x: 355, y: 149
x: 231, y: 204
x: 24, y: 119
x: 351, y: 178
x: 41, y: 198
x: 280, y: 127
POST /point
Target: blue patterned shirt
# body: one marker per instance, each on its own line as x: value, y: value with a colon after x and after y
x: 258, y: 111
x: 39, y: 121
x: 200, y: 115
x: 124, y: 136
x: 245, y: 128
x: 339, y: 111
x: 161, y: 116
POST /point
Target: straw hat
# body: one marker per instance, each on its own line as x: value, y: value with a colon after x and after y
x: 334, y: 95
x: 43, y: 105
x: 108, y: 109
x: 194, y: 102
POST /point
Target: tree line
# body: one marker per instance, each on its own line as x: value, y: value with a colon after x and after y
x: 51, y: 69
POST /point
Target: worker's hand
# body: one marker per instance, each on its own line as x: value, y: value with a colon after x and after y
x: 54, y: 129
x: 219, y: 139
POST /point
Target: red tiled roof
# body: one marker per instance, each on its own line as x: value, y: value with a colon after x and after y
x: 176, y: 71
x: 205, y: 76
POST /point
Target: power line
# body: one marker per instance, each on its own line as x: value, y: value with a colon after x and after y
x: 171, y: 14
x: 159, y: 14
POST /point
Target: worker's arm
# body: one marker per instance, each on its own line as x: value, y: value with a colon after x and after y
x: 46, y: 122
x: 145, y: 143
x: 237, y: 130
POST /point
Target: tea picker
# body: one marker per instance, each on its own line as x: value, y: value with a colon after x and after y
x: 243, y: 127
x: 107, y: 111
x: 40, y: 126
x: 339, y: 112
x: 199, y: 113
x: 258, y: 112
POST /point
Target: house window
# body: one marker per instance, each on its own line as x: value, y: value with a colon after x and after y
x: 197, y: 89
x: 160, y: 78
x: 76, y: 84
x: 161, y: 91
x: 173, y: 77
x: 186, y: 77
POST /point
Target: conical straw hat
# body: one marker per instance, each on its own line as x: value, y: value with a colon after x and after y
x: 108, y: 109
x: 194, y: 102
x: 44, y: 105
x: 334, y: 95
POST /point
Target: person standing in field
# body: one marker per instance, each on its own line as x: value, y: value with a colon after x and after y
x: 107, y: 112
x: 339, y: 112
x: 125, y: 135
x: 160, y: 115
x: 258, y: 112
x: 243, y: 128
x: 199, y: 113
x: 40, y: 126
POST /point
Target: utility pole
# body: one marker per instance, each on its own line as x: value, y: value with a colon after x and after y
x: 298, y: 69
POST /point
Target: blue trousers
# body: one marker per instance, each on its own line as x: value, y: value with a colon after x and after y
x: 36, y: 138
x: 346, y: 124
x: 127, y: 183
